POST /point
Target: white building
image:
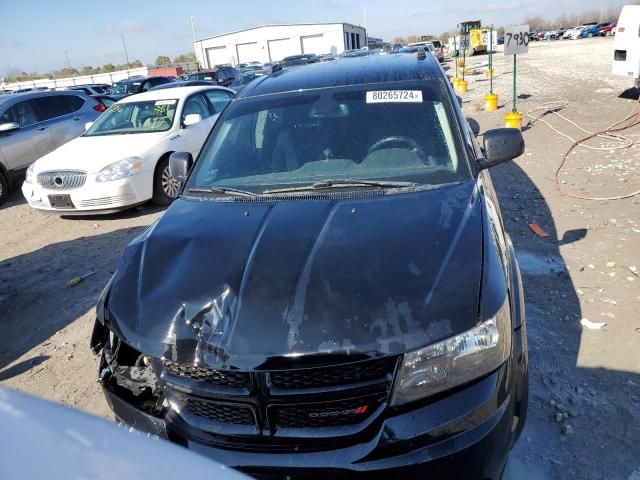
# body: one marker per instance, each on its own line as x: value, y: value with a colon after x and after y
x: 271, y: 43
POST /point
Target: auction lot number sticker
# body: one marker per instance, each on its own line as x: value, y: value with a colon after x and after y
x: 516, y: 39
x: 395, y: 96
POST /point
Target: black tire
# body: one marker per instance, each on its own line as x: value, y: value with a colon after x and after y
x: 165, y: 188
x: 4, y: 189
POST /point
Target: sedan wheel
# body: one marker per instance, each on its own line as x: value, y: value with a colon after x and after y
x: 170, y: 185
x: 165, y: 187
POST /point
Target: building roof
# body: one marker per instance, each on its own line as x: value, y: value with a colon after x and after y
x: 278, y: 25
x: 346, y: 71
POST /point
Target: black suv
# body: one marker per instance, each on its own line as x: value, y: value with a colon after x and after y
x: 333, y: 293
x: 137, y: 85
x: 223, y: 76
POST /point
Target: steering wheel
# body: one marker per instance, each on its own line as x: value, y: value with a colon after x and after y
x: 400, y: 140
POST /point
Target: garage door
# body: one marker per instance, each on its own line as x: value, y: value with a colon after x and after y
x: 280, y: 48
x: 315, y: 44
x: 248, y: 52
x: 217, y: 56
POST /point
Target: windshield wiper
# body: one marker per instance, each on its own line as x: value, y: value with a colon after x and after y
x: 223, y: 191
x: 330, y: 184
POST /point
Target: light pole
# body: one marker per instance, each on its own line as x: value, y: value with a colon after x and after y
x: 124, y: 44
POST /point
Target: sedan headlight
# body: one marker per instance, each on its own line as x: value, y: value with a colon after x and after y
x: 120, y: 169
x: 453, y: 361
x: 29, y: 176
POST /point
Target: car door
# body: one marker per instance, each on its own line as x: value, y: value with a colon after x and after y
x: 194, y: 135
x: 33, y: 140
x: 63, y: 121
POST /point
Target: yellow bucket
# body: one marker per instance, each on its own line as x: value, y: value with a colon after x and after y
x: 463, y: 86
x: 513, y: 120
x: 489, y: 73
x: 491, y: 102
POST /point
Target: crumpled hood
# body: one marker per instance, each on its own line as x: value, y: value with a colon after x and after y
x: 235, y: 284
x: 91, y: 154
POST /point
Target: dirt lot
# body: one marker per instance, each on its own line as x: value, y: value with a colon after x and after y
x: 584, y: 419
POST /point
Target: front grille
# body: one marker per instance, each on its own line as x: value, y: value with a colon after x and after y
x: 98, y: 202
x: 62, y: 179
x: 327, y: 414
x: 335, y: 375
x: 281, y: 404
x: 227, y: 378
x: 220, y: 412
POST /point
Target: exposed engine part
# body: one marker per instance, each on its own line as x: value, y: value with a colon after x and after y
x: 129, y: 374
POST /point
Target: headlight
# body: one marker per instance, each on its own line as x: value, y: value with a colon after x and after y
x: 453, y: 361
x: 29, y: 177
x: 121, y: 169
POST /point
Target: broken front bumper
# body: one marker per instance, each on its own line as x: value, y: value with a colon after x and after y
x: 465, y: 434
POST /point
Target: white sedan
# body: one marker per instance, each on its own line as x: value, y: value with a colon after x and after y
x: 122, y: 160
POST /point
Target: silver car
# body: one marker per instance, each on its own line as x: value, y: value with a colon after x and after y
x: 36, y: 123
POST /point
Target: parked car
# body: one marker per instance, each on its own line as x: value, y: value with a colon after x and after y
x: 575, y: 34
x: 74, y: 452
x: 593, y: 30
x: 244, y: 79
x: 333, y: 293
x: 223, y: 76
x: 35, y: 123
x: 122, y: 160
x: 106, y: 100
x: 92, y: 89
x: 297, y: 60
x: 607, y: 30
x: 501, y: 40
x: 136, y: 85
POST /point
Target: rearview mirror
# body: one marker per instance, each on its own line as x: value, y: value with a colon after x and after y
x: 87, y: 126
x: 179, y: 165
x: 191, y: 119
x: 9, y: 127
x: 500, y: 146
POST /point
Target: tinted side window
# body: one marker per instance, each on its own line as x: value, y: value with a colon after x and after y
x: 196, y: 104
x: 52, y: 107
x: 218, y: 99
x: 24, y: 113
x: 75, y: 103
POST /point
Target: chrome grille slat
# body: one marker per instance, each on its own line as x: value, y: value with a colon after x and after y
x: 62, y: 179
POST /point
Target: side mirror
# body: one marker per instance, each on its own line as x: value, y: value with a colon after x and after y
x: 9, y: 127
x: 500, y: 146
x: 474, y: 126
x: 191, y: 119
x: 87, y: 126
x: 179, y: 165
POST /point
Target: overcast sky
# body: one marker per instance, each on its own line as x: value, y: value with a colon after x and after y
x: 35, y: 35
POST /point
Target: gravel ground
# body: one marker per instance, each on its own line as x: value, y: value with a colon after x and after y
x: 585, y: 384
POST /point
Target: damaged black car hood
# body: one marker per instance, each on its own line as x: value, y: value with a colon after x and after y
x: 234, y: 284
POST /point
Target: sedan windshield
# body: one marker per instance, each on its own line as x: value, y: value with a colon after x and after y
x: 135, y: 117
x: 368, y: 132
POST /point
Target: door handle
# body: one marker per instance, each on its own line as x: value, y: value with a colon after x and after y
x: 40, y: 129
x: 76, y: 118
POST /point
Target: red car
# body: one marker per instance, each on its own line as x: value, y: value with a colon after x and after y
x: 608, y: 30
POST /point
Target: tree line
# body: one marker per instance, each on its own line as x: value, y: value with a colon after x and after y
x: 18, y: 75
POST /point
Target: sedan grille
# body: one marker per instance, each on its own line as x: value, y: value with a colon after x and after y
x: 327, y: 414
x: 220, y: 412
x: 62, y: 179
x: 333, y: 375
x: 226, y: 378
